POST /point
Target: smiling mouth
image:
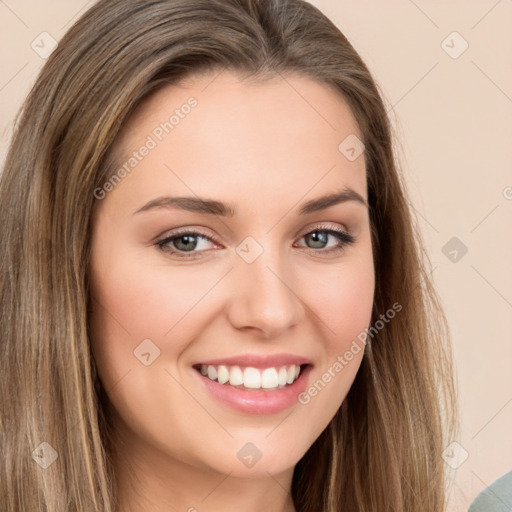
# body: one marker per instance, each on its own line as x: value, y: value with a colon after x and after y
x: 250, y: 378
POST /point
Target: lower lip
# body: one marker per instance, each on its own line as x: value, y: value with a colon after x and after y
x: 257, y: 401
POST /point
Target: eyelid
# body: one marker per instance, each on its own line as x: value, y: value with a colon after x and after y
x: 198, y: 230
x: 322, y: 226
x: 186, y: 231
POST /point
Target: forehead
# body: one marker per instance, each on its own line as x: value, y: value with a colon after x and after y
x: 254, y: 138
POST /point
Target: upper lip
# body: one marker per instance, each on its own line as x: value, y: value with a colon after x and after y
x: 258, y: 360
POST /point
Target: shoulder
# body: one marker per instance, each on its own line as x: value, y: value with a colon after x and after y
x: 497, y: 497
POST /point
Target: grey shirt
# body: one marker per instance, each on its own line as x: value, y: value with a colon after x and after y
x: 497, y: 497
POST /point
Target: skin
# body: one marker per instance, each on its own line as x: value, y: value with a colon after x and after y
x: 265, y: 148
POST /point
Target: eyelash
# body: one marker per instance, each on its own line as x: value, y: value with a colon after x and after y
x: 343, y: 237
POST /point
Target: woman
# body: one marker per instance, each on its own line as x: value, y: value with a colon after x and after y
x: 213, y: 292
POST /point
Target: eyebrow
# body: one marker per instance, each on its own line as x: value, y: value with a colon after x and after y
x: 213, y: 207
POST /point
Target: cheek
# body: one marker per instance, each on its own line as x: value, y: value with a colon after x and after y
x: 343, y: 301
x: 136, y: 298
x: 147, y: 299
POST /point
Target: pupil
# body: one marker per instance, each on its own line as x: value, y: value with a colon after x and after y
x: 189, y: 242
x: 318, y: 237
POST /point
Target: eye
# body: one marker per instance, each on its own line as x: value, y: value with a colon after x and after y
x: 319, y: 239
x: 186, y: 241
x: 190, y: 244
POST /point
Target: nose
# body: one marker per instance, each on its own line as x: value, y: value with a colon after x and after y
x: 263, y: 297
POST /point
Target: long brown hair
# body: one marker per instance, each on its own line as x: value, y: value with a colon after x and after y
x: 382, y: 450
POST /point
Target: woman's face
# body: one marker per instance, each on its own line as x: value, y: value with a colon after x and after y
x: 247, y: 287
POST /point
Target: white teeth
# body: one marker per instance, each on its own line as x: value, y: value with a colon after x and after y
x: 212, y: 372
x: 269, y: 378
x: 281, y: 377
x: 236, y: 377
x: 252, y: 378
x: 222, y: 374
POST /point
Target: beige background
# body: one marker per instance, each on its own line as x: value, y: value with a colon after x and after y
x: 453, y: 118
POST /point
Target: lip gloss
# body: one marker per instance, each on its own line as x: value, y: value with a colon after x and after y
x: 258, y: 401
